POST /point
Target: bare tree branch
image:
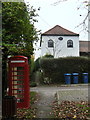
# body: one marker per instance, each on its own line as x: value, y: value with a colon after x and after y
x: 56, y: 3
x: 86, y: 4
x: 84, y: 22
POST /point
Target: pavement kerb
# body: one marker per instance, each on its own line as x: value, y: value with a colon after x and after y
x: 72, y: 95
x: 72, y: 85
x: 65, y: 85
x: 57, y: 97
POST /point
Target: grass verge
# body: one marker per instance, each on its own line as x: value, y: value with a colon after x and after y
x: 31, y: 111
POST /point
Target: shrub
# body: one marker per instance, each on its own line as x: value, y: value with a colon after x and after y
x: 33, y: 84
x: 48, y: 56
x: 55, y: 69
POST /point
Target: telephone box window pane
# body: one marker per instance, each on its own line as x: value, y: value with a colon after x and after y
x: 14, y: 73
x: 20, y: 77
x: 20, y: 100
x: 20, y: 68
x: 14, y: 82
x: 14, y: 91
x: 15, y: 77
x: 20, y: 91
x: 15, y: 69
x: 15, y: 96
x: 20, y: 86
x: 20, y: 72
x: 15, y: 86
x: 19, y: 95
x: 20, y: 82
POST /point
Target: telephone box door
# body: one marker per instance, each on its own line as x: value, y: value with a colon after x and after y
x: 19, y: 80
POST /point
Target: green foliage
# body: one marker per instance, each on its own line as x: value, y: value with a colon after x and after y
x: 48, y: 56
x: 32, y: 65
x: 37, y: 64
x: 55, y: 69
x: 32, y: 97
x: 18, y: 30
x: 33, y: 84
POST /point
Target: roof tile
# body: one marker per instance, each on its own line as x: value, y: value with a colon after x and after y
x: 58, y: 30
x: 84, y: 46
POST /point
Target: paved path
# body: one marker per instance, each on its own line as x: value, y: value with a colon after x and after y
x: 72, y: 95
x: 47, y: 96
x: 44, y: 105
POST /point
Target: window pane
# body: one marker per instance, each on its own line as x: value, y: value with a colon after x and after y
x: 50, y: 43
x: 69, y: 43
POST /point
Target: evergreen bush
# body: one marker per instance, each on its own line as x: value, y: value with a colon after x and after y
x: 55, y: 69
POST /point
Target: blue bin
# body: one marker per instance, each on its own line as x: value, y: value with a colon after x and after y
x: 75, y: 78
x: 85, y: 77
x: 67, y: 78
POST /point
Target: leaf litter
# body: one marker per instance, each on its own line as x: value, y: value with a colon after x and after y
x: 71, y: 110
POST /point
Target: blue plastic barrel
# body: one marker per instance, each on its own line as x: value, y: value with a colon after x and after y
x: 67, y: 78
x: 85, y: 77
x: 75, y: 78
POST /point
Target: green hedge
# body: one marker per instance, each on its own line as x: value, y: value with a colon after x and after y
x: 56, y: 68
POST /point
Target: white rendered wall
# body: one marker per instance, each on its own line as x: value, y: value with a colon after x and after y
x: 60, y: 48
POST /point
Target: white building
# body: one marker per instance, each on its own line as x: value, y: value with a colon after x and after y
x: 59, y: 42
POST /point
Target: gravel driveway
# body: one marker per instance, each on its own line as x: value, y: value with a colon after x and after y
x: 47, y: 97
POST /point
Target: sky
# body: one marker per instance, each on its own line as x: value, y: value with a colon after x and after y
x: 65, y: 14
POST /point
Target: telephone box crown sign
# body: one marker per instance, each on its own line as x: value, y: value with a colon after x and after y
x: 18, y: 59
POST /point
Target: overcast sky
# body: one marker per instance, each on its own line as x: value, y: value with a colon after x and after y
x: 65, y: 14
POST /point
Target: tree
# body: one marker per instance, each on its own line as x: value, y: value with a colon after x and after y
x: 55, y: 49
x: 86, y: 4
x: 18, y: 33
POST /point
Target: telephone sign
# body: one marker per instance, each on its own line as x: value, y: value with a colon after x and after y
x: 18, y: 78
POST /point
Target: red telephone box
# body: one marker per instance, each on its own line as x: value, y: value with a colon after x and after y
x: 18, y: 77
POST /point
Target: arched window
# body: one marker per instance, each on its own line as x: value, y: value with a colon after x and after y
x: 69, y: 43
x: 50, y: 43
